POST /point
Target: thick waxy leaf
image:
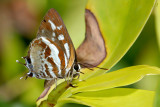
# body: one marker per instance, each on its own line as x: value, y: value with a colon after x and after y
x: 116, y: 97
x: 93, y: 43
x: 120, y: 22
x: 117, y: 78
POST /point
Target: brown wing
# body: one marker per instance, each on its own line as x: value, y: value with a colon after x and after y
x: 92, y: 51
x: 53, y: 28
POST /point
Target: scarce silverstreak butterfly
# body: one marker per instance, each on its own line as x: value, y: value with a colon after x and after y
x: 52, y: 55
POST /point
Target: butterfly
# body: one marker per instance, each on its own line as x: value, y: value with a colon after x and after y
x: 52, y: 55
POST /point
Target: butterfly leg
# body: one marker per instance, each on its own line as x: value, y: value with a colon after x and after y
x: 71, y: 77
x: 73, y: 86
x: 67, y: 77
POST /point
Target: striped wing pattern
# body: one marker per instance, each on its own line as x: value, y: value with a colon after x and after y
x: 52, y: 53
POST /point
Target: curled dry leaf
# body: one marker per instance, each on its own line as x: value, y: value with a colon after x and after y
x: 92, y: 51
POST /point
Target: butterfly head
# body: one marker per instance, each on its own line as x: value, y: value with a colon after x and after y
x: 29, y: 66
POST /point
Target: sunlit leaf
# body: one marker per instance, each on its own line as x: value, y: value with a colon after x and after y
x: 117, y: 78
x: 116, y: 97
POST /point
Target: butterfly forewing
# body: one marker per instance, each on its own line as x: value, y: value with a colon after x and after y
x: 57, y: 49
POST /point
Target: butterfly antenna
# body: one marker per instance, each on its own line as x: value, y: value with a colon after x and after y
x: 86, y: 66
x: 25, y: 75
x: 20, y: 62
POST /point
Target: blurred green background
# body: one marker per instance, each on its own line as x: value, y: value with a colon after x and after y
x: 19, y: 23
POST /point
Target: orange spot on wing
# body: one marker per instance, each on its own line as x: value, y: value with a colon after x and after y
x: 47, y: 52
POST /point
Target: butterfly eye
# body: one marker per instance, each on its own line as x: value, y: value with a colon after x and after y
x: 76, y: 67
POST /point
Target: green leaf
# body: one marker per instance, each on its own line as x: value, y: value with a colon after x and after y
x: 121, y: 22
x: 116, y: 97
x: 117, y: 78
